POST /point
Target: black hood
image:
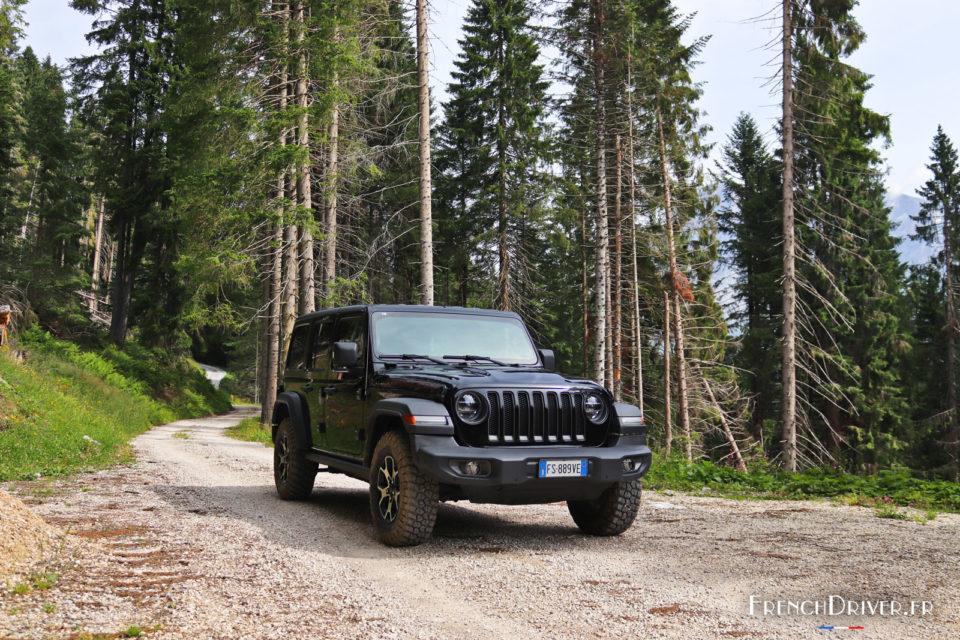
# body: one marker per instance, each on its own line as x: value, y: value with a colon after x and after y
x: 423, y: 377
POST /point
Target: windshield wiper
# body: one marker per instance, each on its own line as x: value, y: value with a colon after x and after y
x: 478, y: 358
x: 413, y: 356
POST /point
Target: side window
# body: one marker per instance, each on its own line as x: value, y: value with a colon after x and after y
x: 297, y: 351
x: 353, y: 329
x: 322, y: 339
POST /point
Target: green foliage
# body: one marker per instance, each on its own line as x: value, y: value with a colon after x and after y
x: 493, y: 151
x: 894, y: 488
x: 70, y: 409
x: 184, y: 389
x: 251, y: 430
x: 850, y: 273
x: 60, y: 419
x: 752, y: 227
x: 11, y: 24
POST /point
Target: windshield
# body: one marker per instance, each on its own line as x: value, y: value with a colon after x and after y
x: 452, y: 334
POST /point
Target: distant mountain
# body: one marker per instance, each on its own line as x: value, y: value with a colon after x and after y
x: 902, y: 207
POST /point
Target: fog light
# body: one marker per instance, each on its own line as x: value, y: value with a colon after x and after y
x: 627, y: 465
x: 473, y: 467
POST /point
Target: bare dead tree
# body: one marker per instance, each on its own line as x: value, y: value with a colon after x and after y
x: 426, y: 187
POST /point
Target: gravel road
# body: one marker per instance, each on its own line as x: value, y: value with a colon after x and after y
x: 192, y: 542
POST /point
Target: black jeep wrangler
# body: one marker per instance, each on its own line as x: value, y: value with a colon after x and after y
x: 449, y: 403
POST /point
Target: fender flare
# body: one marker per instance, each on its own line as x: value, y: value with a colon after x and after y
x: 629, y: 419
x: 388, y: 413
x: 291, y: 405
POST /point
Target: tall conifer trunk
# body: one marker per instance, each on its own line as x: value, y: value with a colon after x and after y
x: 602, y: 266
x: 789, y: 374
x: 675, y: 295
x: 271, y: 326
x: 119, y: 298
x: 617, y: 287
x: 304, y: 196
x: 667, y: 381
x: 631, y: 209
x: 97, y: 253
x: 952, y: 329
x: 284, y: 186
x: 426, y: 188
x: 330, y: 213
x: 584, y: 289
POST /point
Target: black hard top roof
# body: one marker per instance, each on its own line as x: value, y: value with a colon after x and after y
x: 419, y: 308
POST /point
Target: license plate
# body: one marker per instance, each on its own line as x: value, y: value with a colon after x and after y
x: 563, y: 468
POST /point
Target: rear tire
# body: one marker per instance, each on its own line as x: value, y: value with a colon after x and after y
x: 292, y: 472
x: 403, y: 501
x: 611, y: 514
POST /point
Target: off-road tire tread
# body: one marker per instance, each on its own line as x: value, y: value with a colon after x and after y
x: 612, y: 513
x: 302, y: 472
x: 419, y: 496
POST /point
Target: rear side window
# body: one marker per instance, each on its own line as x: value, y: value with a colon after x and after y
x: 322, y: 339
x: 297, y: 352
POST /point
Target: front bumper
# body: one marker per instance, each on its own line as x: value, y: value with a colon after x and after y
x: 514, y: 476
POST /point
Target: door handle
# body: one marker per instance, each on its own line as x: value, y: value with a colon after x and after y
x: 327, y: 390
x: 308, y: 387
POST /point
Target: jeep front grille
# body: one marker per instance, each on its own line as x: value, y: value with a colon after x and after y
x: 535, y: 418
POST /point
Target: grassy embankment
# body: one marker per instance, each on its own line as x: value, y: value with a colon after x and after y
x: 68, y: 409
x: 888, y: 491
x: 251, y: 430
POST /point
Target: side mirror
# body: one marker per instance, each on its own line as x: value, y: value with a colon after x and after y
x: 549, y: 360
x: 344, y: 355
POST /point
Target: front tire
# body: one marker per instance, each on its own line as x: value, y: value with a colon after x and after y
x: 292, y: 472
x: 611, y: 514
x: 403, y: 501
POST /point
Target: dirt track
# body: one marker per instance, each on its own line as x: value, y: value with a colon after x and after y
x: 192, y: 542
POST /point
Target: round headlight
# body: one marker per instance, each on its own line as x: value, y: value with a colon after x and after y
x: 470, y: 407
x: 595, y: 408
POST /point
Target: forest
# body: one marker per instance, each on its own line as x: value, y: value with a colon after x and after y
x: 217, y: 168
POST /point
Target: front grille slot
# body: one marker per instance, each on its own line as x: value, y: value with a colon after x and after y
x: 538, y: 417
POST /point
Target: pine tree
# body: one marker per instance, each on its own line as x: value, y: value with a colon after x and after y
x: 10, y: 133
x: 927, y: 392
x: 495, y: 146
x: 848, y: 315
x: 938, y: 224
x: 751, y: 223
x: 125, y: 89
x: 53, y: 199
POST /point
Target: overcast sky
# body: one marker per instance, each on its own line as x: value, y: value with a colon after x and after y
x: 916, y: 78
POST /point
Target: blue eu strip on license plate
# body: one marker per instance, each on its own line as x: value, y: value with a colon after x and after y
x: 563, y: 468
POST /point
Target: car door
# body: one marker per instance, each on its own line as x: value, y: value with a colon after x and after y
x: 344, y: 390
x: 319, y: 370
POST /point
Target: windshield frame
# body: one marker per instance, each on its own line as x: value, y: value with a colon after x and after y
x: 511, y: 319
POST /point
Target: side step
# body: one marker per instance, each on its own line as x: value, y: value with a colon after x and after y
x: 340, y: 465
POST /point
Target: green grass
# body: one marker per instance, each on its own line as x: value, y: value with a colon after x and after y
x: 44, y: 581
x: 251, y: 430
x: 888, y: 489
x: 69, y: 410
